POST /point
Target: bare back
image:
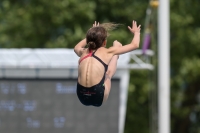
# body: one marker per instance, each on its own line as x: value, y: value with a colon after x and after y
x: 90, y: 70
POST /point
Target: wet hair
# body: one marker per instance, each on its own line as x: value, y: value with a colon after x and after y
x: 97, y: 35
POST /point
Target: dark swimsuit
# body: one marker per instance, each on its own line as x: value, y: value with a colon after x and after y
x: 92, y: 95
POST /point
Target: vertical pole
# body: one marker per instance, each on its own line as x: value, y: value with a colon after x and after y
x: 124, y: 81
x: 163, y: 68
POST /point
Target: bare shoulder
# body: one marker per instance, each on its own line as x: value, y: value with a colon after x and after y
x: 104, y: 54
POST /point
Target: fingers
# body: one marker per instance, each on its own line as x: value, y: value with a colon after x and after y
x: 95, y: 24
x: 133, y: 23
x: 129, y: 28
x: 139, y: 27
x: 134, y: 27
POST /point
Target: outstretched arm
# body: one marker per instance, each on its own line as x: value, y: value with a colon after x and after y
x: 78, y: 49
x: 129, y: 47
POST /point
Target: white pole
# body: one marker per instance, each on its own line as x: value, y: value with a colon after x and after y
x: 124, y: 81
x: 163, y: 68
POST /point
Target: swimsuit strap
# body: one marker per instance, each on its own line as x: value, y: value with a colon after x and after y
x: 104, y: 64
x: 88, y: 55
x: 92, y: 54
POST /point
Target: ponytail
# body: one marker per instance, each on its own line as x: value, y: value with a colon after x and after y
x: 91, y: 45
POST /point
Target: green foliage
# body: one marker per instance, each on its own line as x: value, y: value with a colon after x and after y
x: 138, y: 103
x: 61, y: 23
x: 185, y: 64
x: 40, y: 23
x: 187, y: 98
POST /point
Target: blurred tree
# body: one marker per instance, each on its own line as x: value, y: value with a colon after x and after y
x: 62, y: 23
x: 185, y: 64
x: 138, y: 119
x: 40, y: 23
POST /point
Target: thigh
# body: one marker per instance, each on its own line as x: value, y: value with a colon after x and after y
x: 107, y: 84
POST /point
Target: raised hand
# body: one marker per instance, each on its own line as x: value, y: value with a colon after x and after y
x: 95, y: 24
x: 134, y: 28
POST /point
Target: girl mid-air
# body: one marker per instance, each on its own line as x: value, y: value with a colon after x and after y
x: 97, y: 64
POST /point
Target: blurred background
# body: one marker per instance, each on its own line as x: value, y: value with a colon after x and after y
x: 63, y: 23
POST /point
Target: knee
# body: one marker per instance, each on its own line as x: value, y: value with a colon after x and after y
x: 108, y: 74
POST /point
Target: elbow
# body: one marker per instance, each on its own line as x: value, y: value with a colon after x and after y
x: 137, y: 46
x: 75, y: 49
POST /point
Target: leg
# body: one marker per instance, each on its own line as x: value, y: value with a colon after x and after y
x: 109, y: 74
